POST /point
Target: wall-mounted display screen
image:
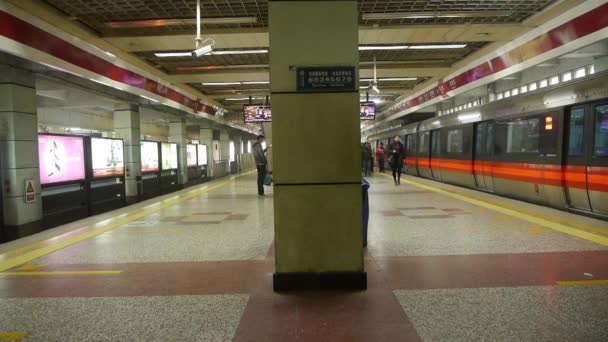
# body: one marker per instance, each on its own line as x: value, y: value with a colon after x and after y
x: 191, y: 155
x: 108, y: 157
x: 149, y: 156
x: 168, y: 153
x: 257, y: 113
x: 368, y: 111
x: 61, y: 158
x: 202, y: 155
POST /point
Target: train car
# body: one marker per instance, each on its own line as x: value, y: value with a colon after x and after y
x: 549, y: 147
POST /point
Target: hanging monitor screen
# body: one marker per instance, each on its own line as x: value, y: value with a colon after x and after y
x: 61, y: 158
x: 149, y: 156
x: 168, y: 154
x: 368, y: 111
x: 191, y: 155
x: 257, y: 113
x: 202, y: 155
x: 108, y: 157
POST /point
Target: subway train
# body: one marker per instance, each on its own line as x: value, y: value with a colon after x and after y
x: 548, y: 148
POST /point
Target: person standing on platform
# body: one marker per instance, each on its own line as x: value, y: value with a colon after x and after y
x: 366, y: 156
x: 380, y: 152
x: 371, y: 159
x: 259, y: 154
x: 397, y: 154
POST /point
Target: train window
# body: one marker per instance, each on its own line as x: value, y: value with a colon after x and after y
x: 490, y: 139
x: 577, y: 125
x: 479, y: 139
x: 424, y: 142
x: 600, y: 146
x: 523, y: 136
x: 411, y: 146
x: 455, y: 141
x: 436, y: 142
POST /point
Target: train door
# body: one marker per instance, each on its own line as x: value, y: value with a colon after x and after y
x: 575, y: 155
x: 483, y: 154
x: 597, y: 160
x: 435, y: 154
x: 586, y: 158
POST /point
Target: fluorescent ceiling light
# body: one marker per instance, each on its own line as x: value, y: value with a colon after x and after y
x: 234, y: 83
x: 244, y: 99
x: 220, y: 83
x: 178, y: 22
x: 445, y: 14
x: 239, y: 52
x: 410, y: 47
x: 256, y: 82
x: 383, y: 47
x: 173, y: 54
x: 224, y: 52
x: 390, y: 79
x: 438, y: 46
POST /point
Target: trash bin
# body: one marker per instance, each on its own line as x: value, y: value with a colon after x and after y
x: 365, y: 186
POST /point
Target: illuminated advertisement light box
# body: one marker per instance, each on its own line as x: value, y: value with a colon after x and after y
x: 61, y: 158
x: 202, y: 155
x: 168, y: 153
x: 108, y: 157
x: 257, y: 113
x: 368, y: 111
x: 149, y: 156
x: 191, y: 155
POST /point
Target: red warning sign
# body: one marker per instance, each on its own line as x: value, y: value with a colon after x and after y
x: 30, y: 194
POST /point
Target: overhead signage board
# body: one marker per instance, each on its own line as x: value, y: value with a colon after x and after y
x: 326, y: 79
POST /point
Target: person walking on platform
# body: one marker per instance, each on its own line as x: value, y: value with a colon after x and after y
x: 371, y: 159
x: 260, y: 162
x: 366, y: 156
x: 380, y: 152
x: 397, y: 154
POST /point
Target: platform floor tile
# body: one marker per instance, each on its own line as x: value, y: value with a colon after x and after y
x: 542, y: 313
x: 133, y: 319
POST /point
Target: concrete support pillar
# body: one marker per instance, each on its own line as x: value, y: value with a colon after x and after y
x: 127, y: 127
x: 19, y: 151
x: 206, y: 138
x: 179, y: 135
x: 317, y: 195
x: 238, y: 150
x: 225, y: 148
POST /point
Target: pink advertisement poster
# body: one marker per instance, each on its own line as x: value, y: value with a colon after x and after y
x: 61, y: 158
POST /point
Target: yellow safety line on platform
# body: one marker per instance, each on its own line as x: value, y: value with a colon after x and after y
x: 12, y: 336
x: 22, y: 249
x: 130, y: 217
x: 602, y: 240
x: 582, y: 282
x: 57, y: 273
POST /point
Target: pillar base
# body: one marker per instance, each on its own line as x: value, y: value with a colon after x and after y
x: 10, y: 233
x: 351, y: 281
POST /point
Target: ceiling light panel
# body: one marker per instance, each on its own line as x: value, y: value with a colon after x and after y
x: 136, y: 17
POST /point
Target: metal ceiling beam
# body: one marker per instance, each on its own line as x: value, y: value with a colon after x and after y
x: 414, y: 34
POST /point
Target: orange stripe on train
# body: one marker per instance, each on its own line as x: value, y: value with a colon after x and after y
x: 580, y: 177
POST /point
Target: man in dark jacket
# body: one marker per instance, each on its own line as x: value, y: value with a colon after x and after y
x: 259, y: 155
x: 396, y: 152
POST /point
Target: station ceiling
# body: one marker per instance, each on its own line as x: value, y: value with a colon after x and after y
x: 145, y: 28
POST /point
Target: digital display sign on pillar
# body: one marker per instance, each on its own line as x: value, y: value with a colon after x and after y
x: 61, y: 158
x: 149, y: 156
x: 107, y: 156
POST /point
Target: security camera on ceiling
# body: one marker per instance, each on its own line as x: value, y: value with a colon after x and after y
x: 201, y: 47
x: 206, y: 47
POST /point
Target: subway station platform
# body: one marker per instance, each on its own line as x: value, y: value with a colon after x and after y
x: 443, y: 264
